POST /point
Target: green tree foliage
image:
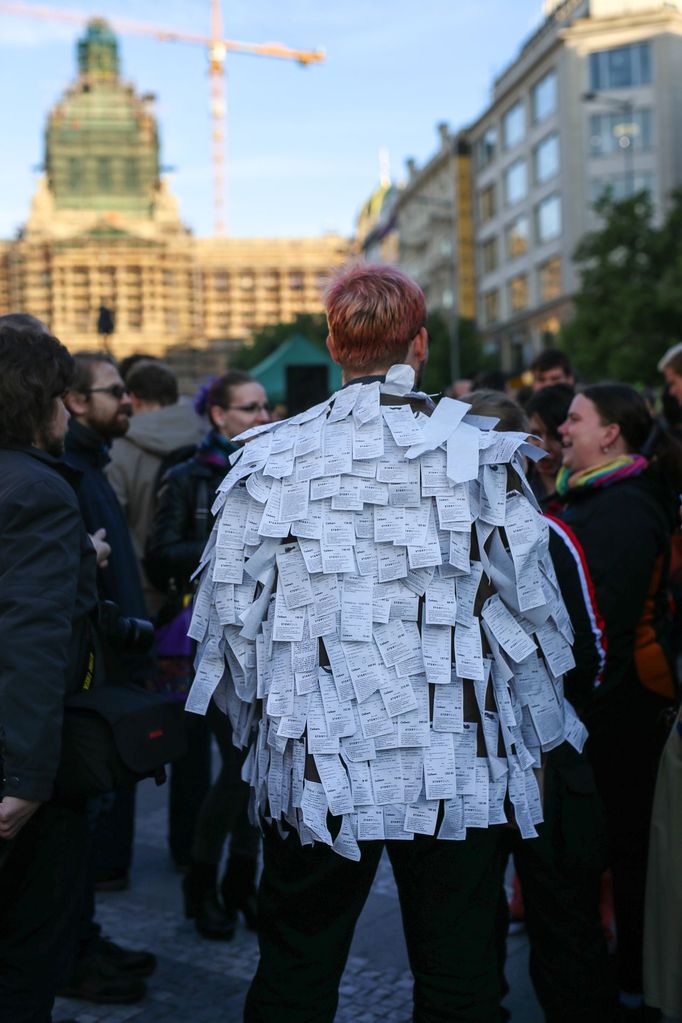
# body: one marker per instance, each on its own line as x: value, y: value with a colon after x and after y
x: 312, y: 326
x: 629, y: 306
x: 437, y: 374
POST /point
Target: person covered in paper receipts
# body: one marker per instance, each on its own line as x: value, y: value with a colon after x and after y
x: 394, y: 671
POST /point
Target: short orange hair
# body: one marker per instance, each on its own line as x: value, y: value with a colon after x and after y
x: 373, y: 313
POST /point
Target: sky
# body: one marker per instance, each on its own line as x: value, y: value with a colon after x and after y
x: 303, y: 144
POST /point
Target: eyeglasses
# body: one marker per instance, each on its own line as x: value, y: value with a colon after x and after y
x: 254, y: 406
x: 116, y: 391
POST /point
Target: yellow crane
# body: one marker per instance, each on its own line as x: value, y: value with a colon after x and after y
x: 217, y: 49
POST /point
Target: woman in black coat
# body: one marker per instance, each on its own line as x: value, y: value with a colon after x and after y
x: 182, y: 523
x: 619, y: 483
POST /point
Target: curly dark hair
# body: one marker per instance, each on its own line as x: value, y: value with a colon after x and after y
x: 35, y: 368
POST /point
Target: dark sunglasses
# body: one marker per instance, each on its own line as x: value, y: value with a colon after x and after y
x: 117, y: 391
x: 254, y: 406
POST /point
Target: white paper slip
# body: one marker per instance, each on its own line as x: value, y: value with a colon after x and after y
x: 475, y: 804
x: 509, y: 634
x: 368, y: 440
x: 288, y: 622
x: 314, y: 808
x: 392, y: 467
x: 404, y: 602
x: 417, y: 579
x: 454, y: 509
x: 309, y: 439
x: 270, y: 523
x: 318, y: 738
x: 337, y: 558
x: 258, y: 487
x: 360, y: 780
x: 402, y: 424
x: 437, y: 652
x: 394, y: 819
x: 223, y: 601
x: 357, y: 748
x: 345, y: 843
x: 366, y: 557
x: 311, y: 526
x: 374, y: 719
x: 280, y: 464
x: 556, y: 649
x: 343, y: 402
x: 392, y: 642
x: 310, y: 466
x: 460, y: 550
x: 373, y: 492
x: 452, y: 825
x: 414, y: 726
x: 428, y: 553
x: 293, y: 502
x: 335, y: 783
x: 392, y: 562
x: 293, y: 576
x: 326, y: 593
x: 201, y: 609
x: 468, y: 651
x: 228, y: 565
x: 439, y: 767
x: 445, y: 418
x: 466, y: 587
x: 348, y: 496
x: 416, y: 523
x: 465, y: 743
x: 370, y: 824
x: 387, y: 777
x: 206, y: 679
x: 441, y: 602
x: 338, y: 448
x: 367, y: 405
x: 337, y: 660
x: 356, y: 608
x: 365, y: 668
x: 312, y: 555
x: 434, y: 477
x: 421, y: 817
x: 462, y: 454
x: 324, y: 486
x: 407, y: 493
x: 493, y: 494
x: 397, y: 694
x: 338, y: 528
x: 448, y: 707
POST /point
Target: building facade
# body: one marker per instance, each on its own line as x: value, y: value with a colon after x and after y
x: 592, y: 102
x: 103, y: 231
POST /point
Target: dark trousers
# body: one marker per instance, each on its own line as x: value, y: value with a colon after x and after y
x: 113, y: 844
x: 625, y: 760
x: 40, y: 879
x: 560, y: 876
x: 190, y: 780
x: 310, y: 899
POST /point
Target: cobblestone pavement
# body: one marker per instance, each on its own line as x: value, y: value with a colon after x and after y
x: 200, y: 981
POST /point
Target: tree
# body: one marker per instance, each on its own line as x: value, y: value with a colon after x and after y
x: 312, y: 326
x: 437, y: 375
x: 629, y: 306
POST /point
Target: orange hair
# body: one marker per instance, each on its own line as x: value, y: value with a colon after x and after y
x: 373, y: 313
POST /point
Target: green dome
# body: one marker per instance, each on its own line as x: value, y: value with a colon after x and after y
x: 101, y: 143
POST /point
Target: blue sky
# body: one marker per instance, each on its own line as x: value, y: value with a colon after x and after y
x: 303, y: 144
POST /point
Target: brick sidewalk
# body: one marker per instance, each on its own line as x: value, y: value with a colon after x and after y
x: 199, y: 981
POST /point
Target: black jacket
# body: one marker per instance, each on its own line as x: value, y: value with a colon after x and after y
x: 625, y: 531
x: 47, y: 595
x: 120, y: 580
x: 180, y: 529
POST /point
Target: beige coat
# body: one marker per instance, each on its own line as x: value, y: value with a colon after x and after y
x: 134, y: 468
x: 663, y: 925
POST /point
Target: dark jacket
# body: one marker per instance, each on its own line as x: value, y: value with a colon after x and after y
x: 178, y: 533
x: 47, y: 595
x: 120, y: 580
x: 625, y: 531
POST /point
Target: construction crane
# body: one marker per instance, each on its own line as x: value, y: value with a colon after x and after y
x: 217, y: 49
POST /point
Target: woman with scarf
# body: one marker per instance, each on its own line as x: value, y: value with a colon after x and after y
x: 620, y: 480
x: 233, y: 403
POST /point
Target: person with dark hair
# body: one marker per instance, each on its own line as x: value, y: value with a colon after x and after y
x: 100, y: 408
x: 547, y: 410
x: 130, y: 361
x: 620, y: 479
x: 198, y: 828
x: 47, y: 596
x: 490, y: 380
x: 551, y: 366
x: 558, y: 874
x: 161, y: 426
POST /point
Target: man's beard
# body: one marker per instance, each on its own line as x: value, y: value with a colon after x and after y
x: 51, y: 443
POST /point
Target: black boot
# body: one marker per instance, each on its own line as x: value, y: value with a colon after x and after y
x: 201, y: 903
x: 238, y: 889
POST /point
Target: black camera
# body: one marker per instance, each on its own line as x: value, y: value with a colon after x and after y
x: 134, y: 634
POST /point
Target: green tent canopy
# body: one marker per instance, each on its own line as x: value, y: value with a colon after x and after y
x: 298, y: 374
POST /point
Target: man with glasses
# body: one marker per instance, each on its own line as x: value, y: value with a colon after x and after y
x: 101, y: 408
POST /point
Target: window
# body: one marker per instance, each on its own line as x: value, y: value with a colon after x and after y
x: 548, y: 218
x: 486, y: 148
x: 544, y: 97
x: 513, y: 126
x: 546, y: 159
x: 491, y: 306
x: 515, y: 182
x: 74, y: 172
x: 487, y: 203
x: 549, y: 279
x: 296, y: 280
x: 130, y: 175
x: 517, y: 237
x: 517, y: 290
x: 247, y: 281
x: 622, y: 185
x: 103, y: 172
x: 616, y: 130
x: 620, y: 68
x: 221, y: 280
x: 488, y: 255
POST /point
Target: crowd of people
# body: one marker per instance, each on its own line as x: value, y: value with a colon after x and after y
x: 448, y: 629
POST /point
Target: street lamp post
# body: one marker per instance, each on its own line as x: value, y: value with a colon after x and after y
x: 626, y: 133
